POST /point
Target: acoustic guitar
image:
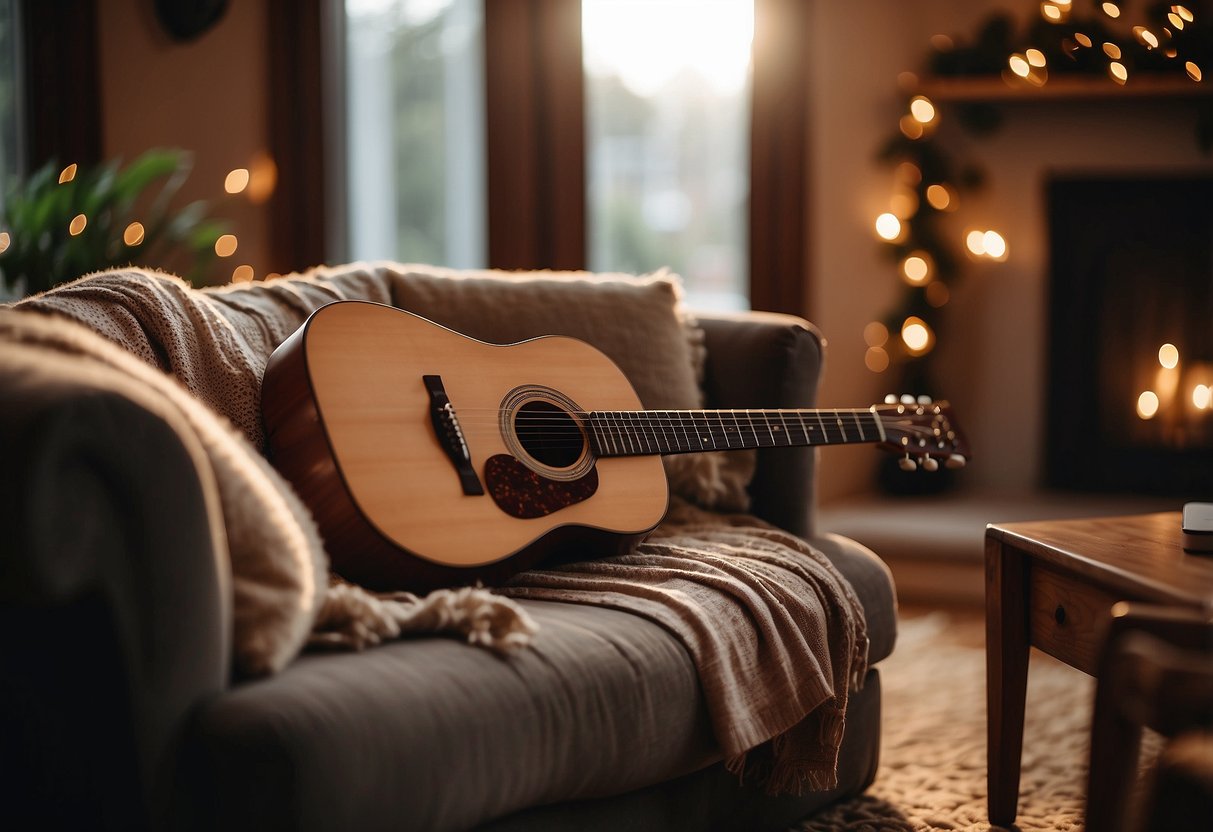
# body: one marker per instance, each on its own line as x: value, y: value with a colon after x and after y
x: 430, y: 459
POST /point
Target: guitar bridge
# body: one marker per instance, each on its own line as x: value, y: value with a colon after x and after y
x: 450, y: 435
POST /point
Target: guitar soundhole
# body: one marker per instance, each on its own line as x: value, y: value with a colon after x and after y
x: 548, y: 434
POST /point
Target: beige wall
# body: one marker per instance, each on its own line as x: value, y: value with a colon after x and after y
x: 990, y: 360
x: 207, y: 96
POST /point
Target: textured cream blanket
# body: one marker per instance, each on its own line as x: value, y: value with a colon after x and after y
x: 775, y: 632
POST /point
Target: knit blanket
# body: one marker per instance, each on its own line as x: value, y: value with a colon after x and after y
x: 776, y: 634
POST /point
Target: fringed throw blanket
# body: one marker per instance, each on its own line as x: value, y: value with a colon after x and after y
x: 776, y: 634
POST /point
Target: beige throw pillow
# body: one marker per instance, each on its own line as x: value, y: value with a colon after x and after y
x: 638, y: 322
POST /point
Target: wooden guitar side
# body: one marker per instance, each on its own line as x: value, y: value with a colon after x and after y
x: 348, y: 422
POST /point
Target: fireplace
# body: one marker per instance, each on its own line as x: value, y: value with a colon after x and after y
x: 1130, y: 354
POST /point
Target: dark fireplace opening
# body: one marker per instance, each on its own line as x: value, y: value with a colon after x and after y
x: 1130, y: 354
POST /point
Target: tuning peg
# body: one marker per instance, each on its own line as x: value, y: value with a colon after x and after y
x: 956, y: 461
x: 907, y: 399
x: 891, y: 398
x: 924, y: 399
x: 906, y: 463
x: 930, y: 464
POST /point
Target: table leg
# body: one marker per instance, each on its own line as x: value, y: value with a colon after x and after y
x: 1007, y: 644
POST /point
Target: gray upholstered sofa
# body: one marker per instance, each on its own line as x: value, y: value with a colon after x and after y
x: 118, y: 708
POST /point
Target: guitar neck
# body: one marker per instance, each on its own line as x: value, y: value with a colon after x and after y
x: 638, y: 432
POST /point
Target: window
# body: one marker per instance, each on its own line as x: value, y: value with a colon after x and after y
x: 414, y: 94
x: 12, y: 155
x: 667, y: 140
x: 519, y: 134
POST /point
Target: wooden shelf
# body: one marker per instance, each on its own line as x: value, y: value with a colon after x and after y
x: 995, y: 90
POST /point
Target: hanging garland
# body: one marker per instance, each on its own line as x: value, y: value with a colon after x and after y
x: 1171, y: 41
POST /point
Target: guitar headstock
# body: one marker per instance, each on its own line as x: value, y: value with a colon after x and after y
x: 923, y: 432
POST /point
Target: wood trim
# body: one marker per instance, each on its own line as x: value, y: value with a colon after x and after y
x: 779, y: 279
x: 62, y: 92
x: 535, y: 125
x: 297, y: 209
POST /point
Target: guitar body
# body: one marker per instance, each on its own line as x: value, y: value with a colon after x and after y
x: 356, y: 415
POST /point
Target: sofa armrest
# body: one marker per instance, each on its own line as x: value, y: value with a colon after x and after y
x: 769, y: 360
x: 113, y: 589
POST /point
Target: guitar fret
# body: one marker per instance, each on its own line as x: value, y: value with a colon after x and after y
x: 804, y: 429
x: 623, y: 433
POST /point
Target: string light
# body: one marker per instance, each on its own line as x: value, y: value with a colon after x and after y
x: 1202, y: 397
x: 1147, y: 405
x: 875, y: 334
x: 1168, y: 356
x: 5, y: 241
x: 242, y: 274
x: 134, y: 233
x: 225, y: 246
x: 237, y: 180
x: 67, y: 174
x: 77, y: 225
x: 888, y: 227
x: 922, y: 256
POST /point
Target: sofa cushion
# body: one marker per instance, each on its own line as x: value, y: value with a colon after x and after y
x: 603, y: 703
x: 375, y: 739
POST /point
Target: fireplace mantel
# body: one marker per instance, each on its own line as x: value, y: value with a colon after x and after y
x: 994, y: 90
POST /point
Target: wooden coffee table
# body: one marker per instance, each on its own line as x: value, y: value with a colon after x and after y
x: 1051, y: 584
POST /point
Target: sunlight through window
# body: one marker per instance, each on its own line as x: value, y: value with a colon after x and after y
x: 668, y: 123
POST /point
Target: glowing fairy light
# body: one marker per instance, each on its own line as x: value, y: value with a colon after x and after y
x: 134, y: 233
x: 1183, y: 13
x: 225, y: 246
x: 77, y: 225
x: 922, y: 109
x: 975, y: 242
x: 1051, y: 12
x: 1111, y: 50
x: 1019, y: 65
x: 995, y: 245
x: 1168, y: 356
x: 1147, y: 405
x: 1145, y: 37
x: 916, y: 335
x: 1035, y: 57
x: 940, y: 197
x: 242, y: 274
x: 916, y: 268
x: 67, y: 174
x: 5, y: 241
x: 1111, y: 10
x: 911, y: 127
x: 909, y: 173
x: 904, y: 205
x: 1175, y: 20
x: 1083, y: 40
x: 1202, y: 397
x: 1118, y: 72
x: 888, y: 227
x: 876, y: 359
x: 875, y: 334
x: 1193, y: 71
x: 236, y: 181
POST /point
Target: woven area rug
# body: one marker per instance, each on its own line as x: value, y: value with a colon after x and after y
x: 933, y: 758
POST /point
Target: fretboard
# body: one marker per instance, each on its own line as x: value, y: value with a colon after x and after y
x: 634, y: 432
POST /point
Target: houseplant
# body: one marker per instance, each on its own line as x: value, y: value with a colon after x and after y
x: 59, y: 224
